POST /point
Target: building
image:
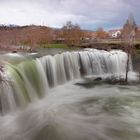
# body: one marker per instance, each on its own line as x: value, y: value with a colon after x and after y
x: 116, y: 33
x: 129, y: 28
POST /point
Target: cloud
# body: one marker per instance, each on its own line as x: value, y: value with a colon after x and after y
x: 88, y: 14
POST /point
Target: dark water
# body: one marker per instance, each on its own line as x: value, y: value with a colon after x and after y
x: 53, y: 51
x: 6, y: 56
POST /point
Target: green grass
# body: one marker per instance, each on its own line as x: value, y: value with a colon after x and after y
x: 53, y: 46
x: 112, y: 42
x: 117, y: 42
x: 137, y: 42
x: 138, y: 51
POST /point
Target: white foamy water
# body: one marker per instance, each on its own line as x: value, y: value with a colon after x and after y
x: 77, y: 113
x: 37, y: 104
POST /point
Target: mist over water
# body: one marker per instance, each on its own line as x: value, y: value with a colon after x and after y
x: 55, y: 98
x: 76, y: 113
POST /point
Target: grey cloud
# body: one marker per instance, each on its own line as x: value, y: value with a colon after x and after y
x: 88, y: 14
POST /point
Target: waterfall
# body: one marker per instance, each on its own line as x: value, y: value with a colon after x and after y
x: 32, y: 79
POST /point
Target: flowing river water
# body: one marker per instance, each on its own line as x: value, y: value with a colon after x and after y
x: 58, y: 98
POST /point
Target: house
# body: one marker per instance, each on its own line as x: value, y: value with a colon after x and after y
x: 88, y: 35
x: 116, y: 33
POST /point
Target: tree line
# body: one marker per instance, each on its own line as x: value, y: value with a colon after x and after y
x: 70, y: 34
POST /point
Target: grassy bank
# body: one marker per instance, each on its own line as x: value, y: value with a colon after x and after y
x: 53, y: 46
x: 114, y: 42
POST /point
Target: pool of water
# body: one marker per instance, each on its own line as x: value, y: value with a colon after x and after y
x: 10, y: 57
x: 78, y: 112
x: 82, y: 109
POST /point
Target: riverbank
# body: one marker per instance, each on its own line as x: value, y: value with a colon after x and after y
x: 52, y: 49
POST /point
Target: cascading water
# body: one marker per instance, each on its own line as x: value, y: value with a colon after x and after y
x: 31, y: 80
x: 26, y: 82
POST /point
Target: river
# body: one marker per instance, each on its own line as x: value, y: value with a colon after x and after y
x: 72, y: 112
x: 64, y: 97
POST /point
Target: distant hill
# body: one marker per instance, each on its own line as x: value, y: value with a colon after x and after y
x: 32, y: 34
x: 16, y: 35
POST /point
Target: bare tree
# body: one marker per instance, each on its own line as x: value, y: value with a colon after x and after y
x: 72, y: 34
x: 128, y: 37
x: 101, y: 34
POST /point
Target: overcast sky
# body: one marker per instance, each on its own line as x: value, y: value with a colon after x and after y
x: 89, y: 14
